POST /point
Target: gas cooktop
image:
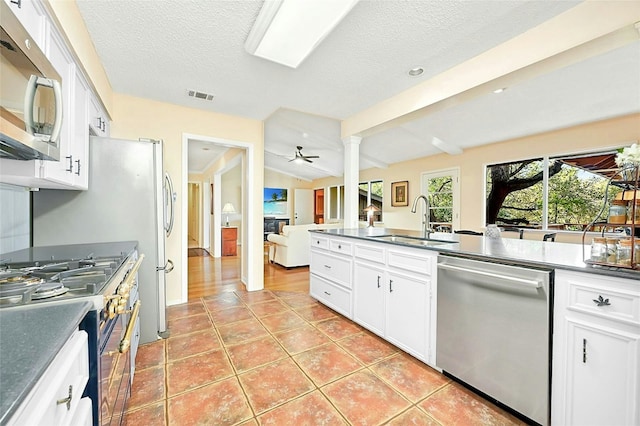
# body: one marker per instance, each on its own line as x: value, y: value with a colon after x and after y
x: 41, y: 274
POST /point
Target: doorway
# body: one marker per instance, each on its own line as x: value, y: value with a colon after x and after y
x: 251, y: 254
x: 442, y: 188
x: 193, y: 228
x: 318, y: 205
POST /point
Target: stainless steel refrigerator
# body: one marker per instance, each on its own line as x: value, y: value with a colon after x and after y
x: 129, y: 198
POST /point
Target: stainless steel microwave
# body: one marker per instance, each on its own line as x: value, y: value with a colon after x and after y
x: 30, y: 95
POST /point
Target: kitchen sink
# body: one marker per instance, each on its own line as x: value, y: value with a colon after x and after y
x: 416, y: 241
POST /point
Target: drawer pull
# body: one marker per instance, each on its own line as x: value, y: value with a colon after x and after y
x: 317, y: 241
x: 66, y: 400
x: 601, y: 302
x: 327, y: 266
x: 327, y: 293
x: 339, y: 247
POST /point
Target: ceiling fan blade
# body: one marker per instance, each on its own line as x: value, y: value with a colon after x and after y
x: 311, y: 156
x: 307, y: 159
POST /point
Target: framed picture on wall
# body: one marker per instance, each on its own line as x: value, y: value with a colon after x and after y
x: 400, y: 193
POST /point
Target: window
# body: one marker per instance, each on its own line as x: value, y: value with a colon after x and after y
x: 370, y: 193
x: 442, y: 190
x: 336, y: 202
x: 564, y: 192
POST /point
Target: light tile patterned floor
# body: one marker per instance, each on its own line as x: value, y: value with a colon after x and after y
x: 281, y: 358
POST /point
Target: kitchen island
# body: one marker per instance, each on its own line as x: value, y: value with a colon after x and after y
x: 392, y: 282
x: 527, y: 252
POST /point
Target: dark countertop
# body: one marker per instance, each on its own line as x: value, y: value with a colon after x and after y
x: 30, y: 338
x: 553, y: 255
x: 69, y: 252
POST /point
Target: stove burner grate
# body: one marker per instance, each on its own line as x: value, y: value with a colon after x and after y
x: 48, y: 290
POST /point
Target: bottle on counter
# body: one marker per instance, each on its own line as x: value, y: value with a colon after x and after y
x: 624, y: 252
x: 599, y: 249
x: 612, y: 250
x: 618, y: 211
x: 630, y: 218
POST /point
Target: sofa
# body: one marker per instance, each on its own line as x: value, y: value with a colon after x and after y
x: 291, y: 247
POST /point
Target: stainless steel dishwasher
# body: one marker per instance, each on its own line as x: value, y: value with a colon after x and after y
x: 493, y: 331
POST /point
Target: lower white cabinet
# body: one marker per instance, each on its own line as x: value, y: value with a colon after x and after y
x: 596, y: 352
x: 330, y: 270
x: 385, y: 288
x: 56, y: 398
x: 391, y: 295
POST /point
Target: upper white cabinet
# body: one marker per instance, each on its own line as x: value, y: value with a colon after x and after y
x: 81, y: 111
x: 33, y: 18
x: 596, y: 350
x: 98, y: 120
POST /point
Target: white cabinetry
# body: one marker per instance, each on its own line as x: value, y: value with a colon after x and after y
x: 32, y: 17
x: 385, y: 288
x: 98, y: 120
x: 330, y: 266
x: 57, y: 397
x: 71, y: 172
x: 392, y: 289
x: 596, y: 352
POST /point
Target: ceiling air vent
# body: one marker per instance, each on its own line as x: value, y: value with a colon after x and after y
x: 200, y: 95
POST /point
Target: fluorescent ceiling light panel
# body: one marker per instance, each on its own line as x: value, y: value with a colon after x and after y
x: 445, y: 147
x: 287, y: 31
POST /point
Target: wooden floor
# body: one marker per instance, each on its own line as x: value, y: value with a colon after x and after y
x: 209, y: 275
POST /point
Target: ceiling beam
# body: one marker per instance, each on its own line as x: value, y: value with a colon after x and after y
x: 581, y: 24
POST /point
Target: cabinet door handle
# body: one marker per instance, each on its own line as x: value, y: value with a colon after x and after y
x: 327, y: 266
x: 66, y: 400
x: 17, y: 2
x: 584, y: 351
x: 378, y: 281
x: 70, y: 169
x: 327, y: 293
x: 390, y: 287
x: 600, y: 301
x: 78, y: 168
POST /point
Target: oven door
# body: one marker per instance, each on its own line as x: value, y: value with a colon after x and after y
x: 115, y: 366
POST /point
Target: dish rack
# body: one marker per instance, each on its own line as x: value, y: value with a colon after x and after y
x: 628, y: 179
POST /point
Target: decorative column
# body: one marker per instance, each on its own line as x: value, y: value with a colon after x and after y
x: 351, y: 180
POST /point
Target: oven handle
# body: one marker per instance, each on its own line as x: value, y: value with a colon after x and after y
x: 133, y: 271
x: 125, y: 343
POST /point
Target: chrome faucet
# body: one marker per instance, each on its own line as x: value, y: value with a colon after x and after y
x: 425, y: 222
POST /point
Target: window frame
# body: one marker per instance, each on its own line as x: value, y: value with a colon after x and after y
x: 368, y: 183
x: 545, y: 182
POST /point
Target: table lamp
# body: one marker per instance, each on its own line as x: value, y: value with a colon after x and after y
x: 228, y: 208
x: 370, y: 209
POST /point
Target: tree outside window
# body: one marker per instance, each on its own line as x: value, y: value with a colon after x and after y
x: 575, y: 191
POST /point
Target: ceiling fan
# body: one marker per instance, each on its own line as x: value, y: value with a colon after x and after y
x: 301, y: 157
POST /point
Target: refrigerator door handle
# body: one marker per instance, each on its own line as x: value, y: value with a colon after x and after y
x: 168, y: 267
x: 169, y: 204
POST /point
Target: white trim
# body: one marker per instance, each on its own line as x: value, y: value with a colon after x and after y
x: 253, y: 280
x: 454, y: 172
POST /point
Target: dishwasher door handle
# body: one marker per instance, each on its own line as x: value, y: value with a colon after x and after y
x: 520, y: 281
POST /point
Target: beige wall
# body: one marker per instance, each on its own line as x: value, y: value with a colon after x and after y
x: 135, y: 117
x: 588, y: 137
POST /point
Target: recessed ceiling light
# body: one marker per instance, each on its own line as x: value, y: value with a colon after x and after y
x: 500, y: 90
x: 414, y: 72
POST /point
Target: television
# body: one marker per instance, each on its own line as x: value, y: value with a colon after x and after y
x: 275, y: 202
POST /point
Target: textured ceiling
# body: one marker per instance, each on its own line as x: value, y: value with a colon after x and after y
x: 160, y: 49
